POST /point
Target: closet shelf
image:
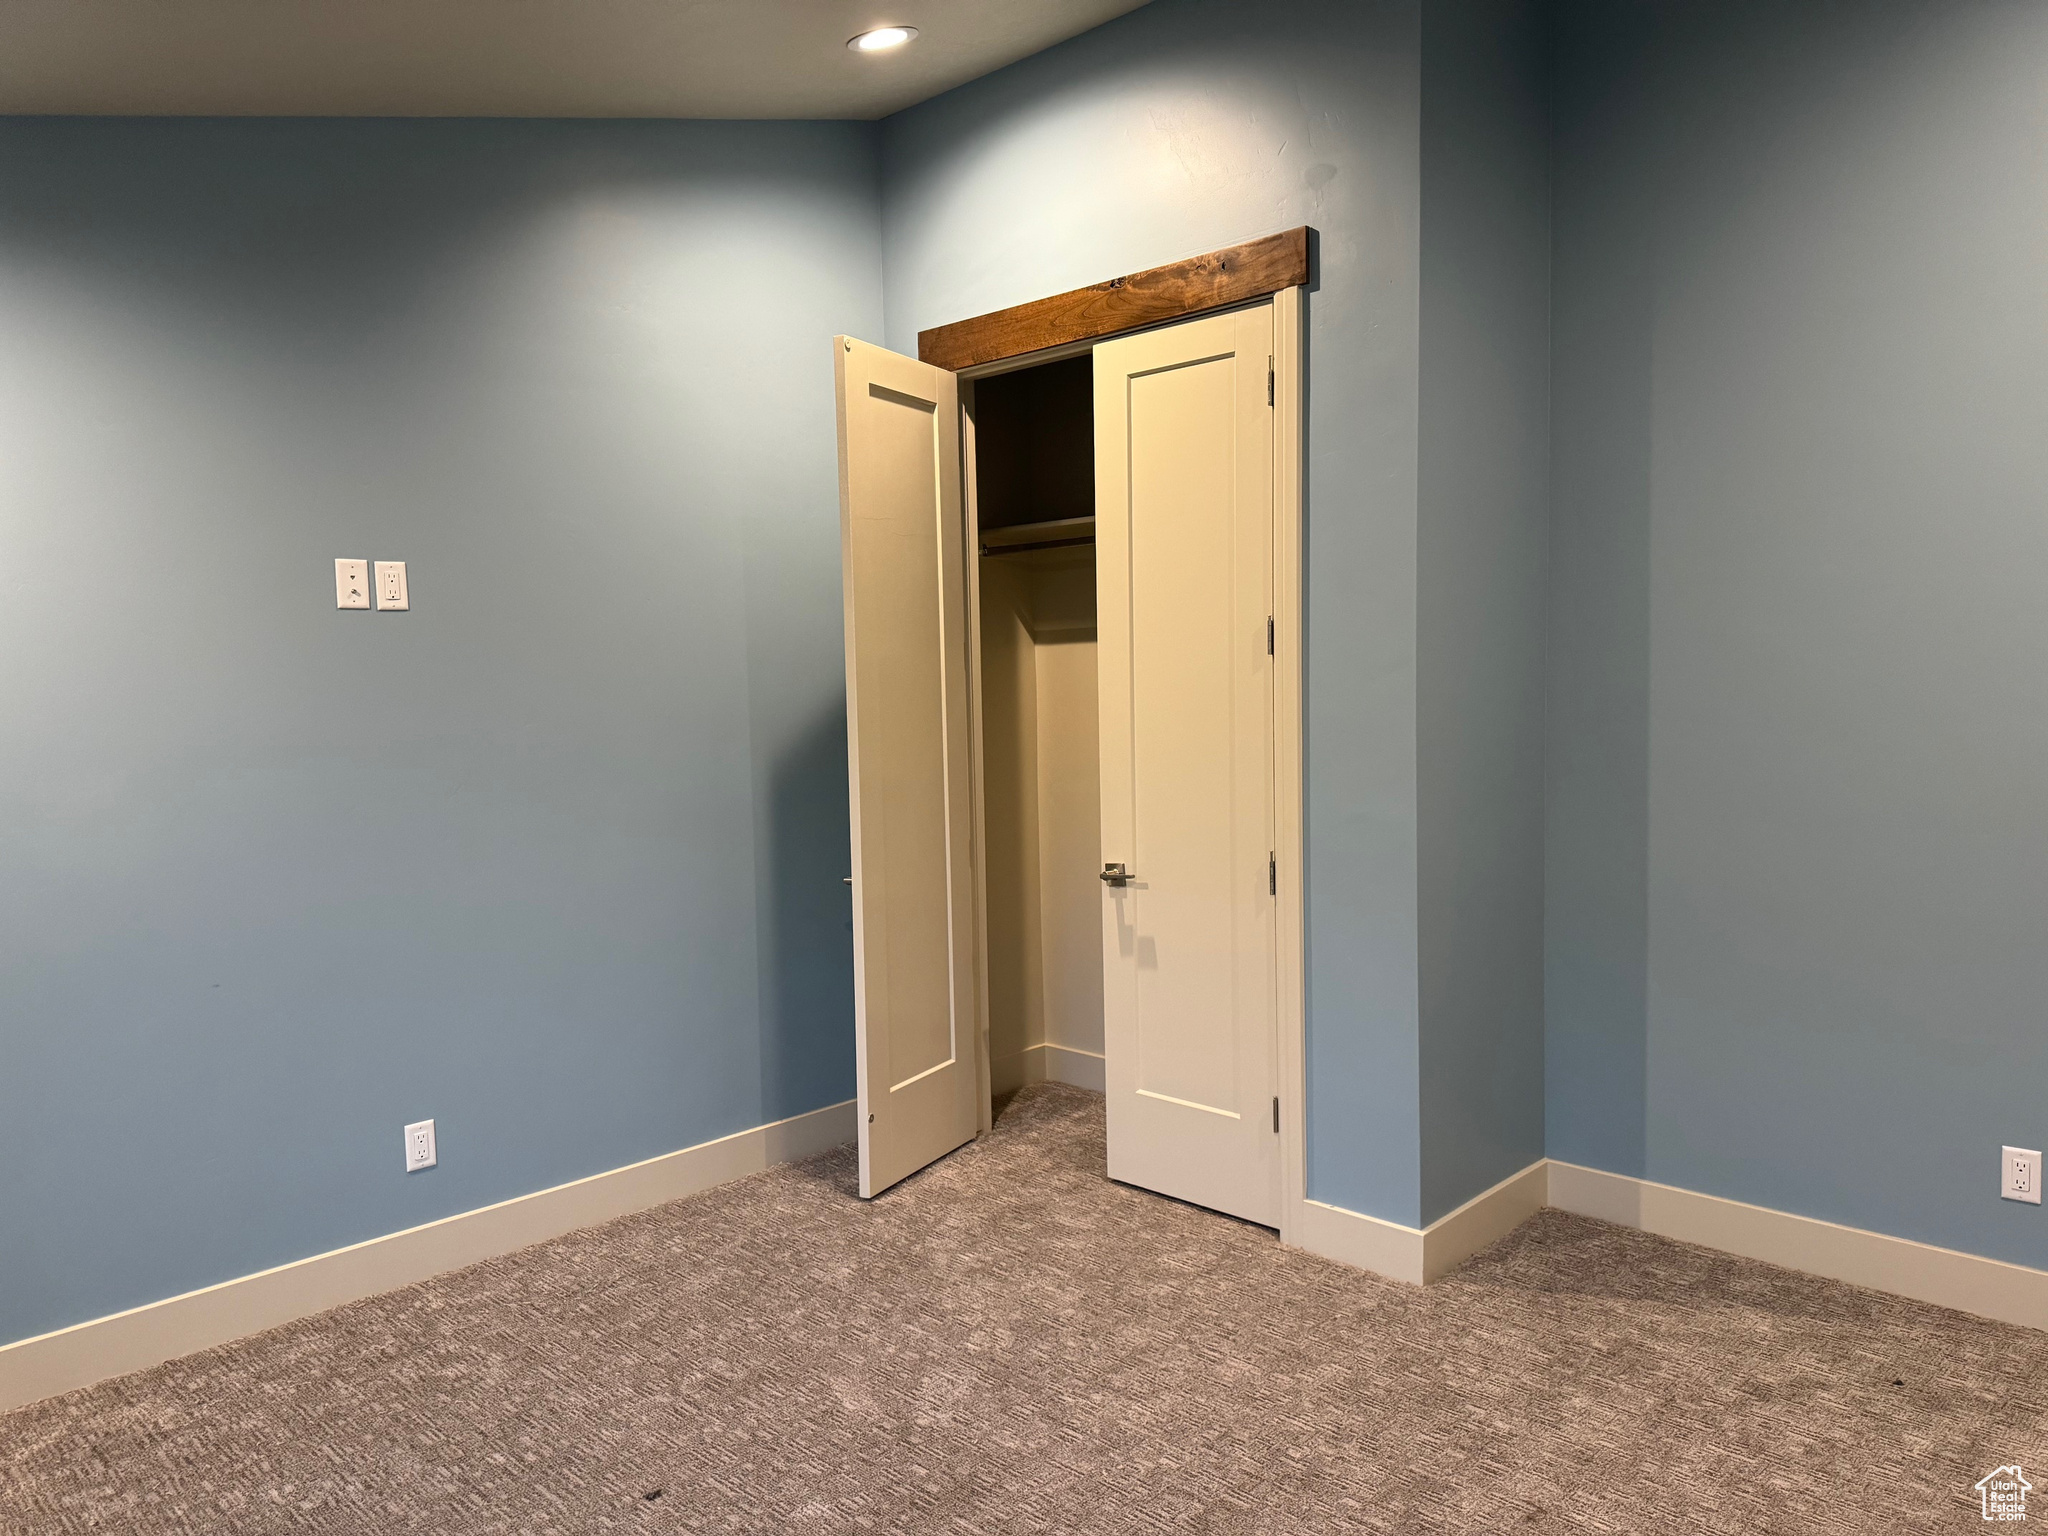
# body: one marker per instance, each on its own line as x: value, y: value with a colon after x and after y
x: 1021, y: 538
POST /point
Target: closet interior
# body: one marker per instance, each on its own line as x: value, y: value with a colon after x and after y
x: 1034, y: 435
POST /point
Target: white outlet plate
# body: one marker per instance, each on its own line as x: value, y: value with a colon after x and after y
x: 391, y: 585
x: 419, y: 1146
x: 351, y: 583
x: 2020, y: 1175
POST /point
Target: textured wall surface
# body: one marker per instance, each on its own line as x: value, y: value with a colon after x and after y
x: 1484, y: 388
x: 1188, y: 125
x: 555, y: 857
x: 1799, y: 864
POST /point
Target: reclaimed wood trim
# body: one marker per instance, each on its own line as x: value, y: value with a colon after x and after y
x: 1233, y: 275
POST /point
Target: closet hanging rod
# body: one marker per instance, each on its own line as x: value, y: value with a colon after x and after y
x: 1049, y: 533
x: 1022, y: 549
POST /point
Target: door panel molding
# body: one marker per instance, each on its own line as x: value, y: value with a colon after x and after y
x: 903, y: 559
x: 1184, y: 452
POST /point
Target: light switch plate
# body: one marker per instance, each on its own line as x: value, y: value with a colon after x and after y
x: 391, y: 585
x: 419, y: 1146
x: 2020, y: 1175
x: 351, y: 583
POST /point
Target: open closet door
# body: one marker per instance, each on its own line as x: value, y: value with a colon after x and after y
x: 902, y: 549
x: 1184, y: 581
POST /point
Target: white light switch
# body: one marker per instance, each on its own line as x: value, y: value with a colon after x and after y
x: 351, y: 583
x: 419, y: 1146
x: 391, y: 584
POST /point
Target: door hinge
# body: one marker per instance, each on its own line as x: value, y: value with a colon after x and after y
x: 1269, y: 634
x: 1269, y: 379
x: 1272, y: 875
x: 1276, y: 1114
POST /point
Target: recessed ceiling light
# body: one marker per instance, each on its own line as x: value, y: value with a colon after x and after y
x: 881, y: 39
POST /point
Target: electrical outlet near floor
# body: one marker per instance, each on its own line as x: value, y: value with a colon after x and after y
x: 419, y: 1146
x: 2020, y: 1175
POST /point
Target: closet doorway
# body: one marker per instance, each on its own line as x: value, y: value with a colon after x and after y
x: 1072, y: 588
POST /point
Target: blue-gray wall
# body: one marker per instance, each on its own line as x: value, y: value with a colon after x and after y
x: 553, y: 858
x: 1484, y: 383
x: 1597, y: 723
x: 1799, y: 700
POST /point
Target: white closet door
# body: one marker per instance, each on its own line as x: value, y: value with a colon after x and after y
x: 1184, y: 516
x: 902, y: 547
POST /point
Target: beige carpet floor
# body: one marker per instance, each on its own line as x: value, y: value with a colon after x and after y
x: 1010, y: 1343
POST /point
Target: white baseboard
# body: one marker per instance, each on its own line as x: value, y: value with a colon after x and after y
x: 1047, y: 1063
x: 1419, y: 1255
x: 1080, y: 1069
x: 1364, y: 1242
x: 148, y: 1335
x: 1486, y: 1218
x: 87, y: 1352
x: 2007, y: 1293
x: 1967, y: 1282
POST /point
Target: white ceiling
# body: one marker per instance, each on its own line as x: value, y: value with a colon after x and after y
x: 510, y: 58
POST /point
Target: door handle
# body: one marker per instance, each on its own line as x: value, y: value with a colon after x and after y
x: 1115, y: 874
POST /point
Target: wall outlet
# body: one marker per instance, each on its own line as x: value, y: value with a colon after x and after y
x: 351, y: 583
x: 419, y: 1146
x: 391, y: 586
x: 2020, y: 1175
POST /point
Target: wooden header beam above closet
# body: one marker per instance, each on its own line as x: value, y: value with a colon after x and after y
x: 1215, y: 281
